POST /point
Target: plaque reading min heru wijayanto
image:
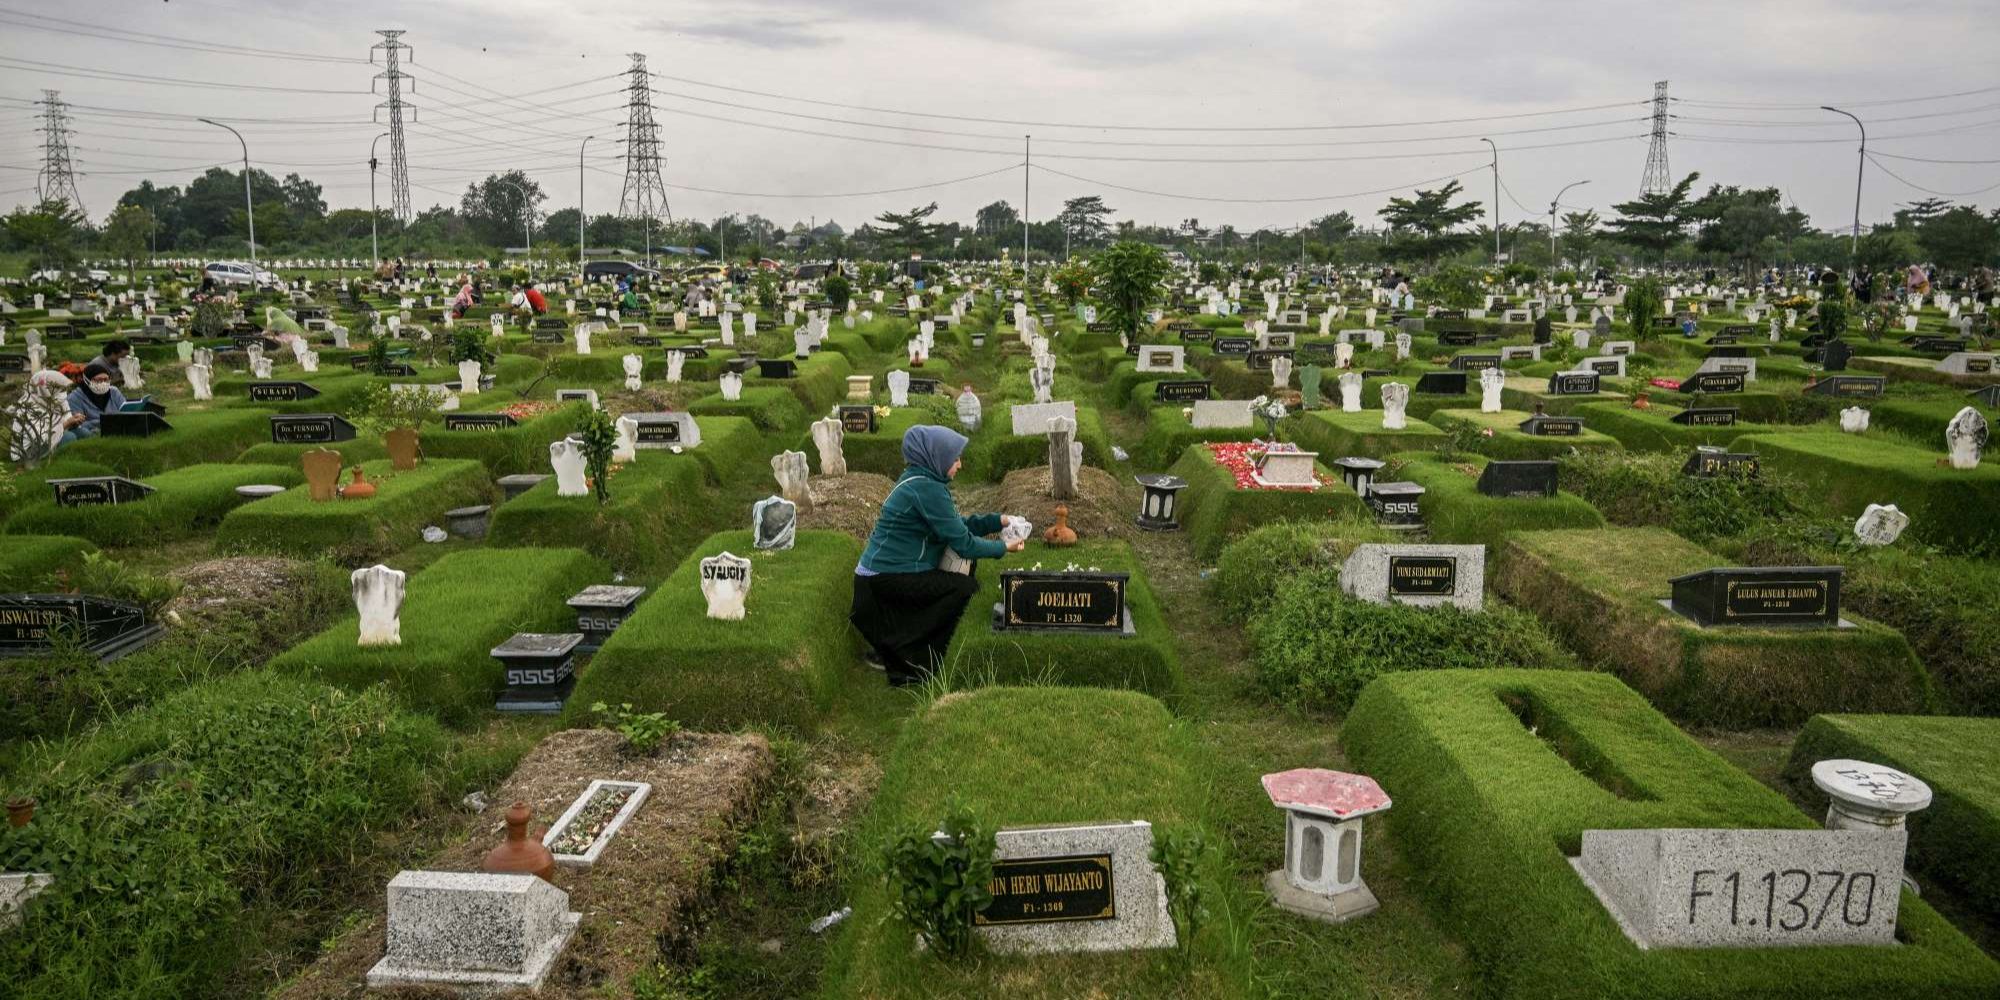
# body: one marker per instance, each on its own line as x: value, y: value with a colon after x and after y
x: 1046, y: 890
x: 1038, y: 601
x: 1760, y: 595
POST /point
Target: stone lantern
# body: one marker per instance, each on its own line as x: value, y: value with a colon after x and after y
x: 1870, y: 798
x: 1159, y: 509
x: 1323, y: 811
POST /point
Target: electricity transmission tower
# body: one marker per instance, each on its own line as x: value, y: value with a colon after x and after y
x: 393, y: 52
x: 57, y: 180
x: 1658, y: 179
x: 645, y: 195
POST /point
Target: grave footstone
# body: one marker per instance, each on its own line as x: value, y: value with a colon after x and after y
x: 1965, y: 438
x: 1518, y: 479
x: 1076, y: 888
x: 566, y: 459
x: 828, y: 436
x: 36, y: 624
x: 474, y: 931
x: 1880, y: 525
x: 1419, y: 575
x: 1761, y: 595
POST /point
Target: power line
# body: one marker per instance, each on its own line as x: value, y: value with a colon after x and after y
x: 113, y: 75
x: 1878, y: 102
x: 88, y: 30
x: 1948, y: 194
x: 1745, y: 140
x: 1258, y: 201
x: 1925, y: 159
x: 851, y: 194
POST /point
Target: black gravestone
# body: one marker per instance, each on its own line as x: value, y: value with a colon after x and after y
x: 1397, y: 506
x: 138, y: 423
x: 600, y: 609
x: 1706, y: 416
x: 1233, y: 346
x: 1833, y: 355
x: 923, y: 387
x: 1457, y: 338
x: 1708, y: 462
x: 1713, y: 382
x: 478, y: 421
x: 1357, y: 472
x: 274, y: 392
x: 1441, y: 383
x: 777, y: 367
x: 1423, y: 576
x: 859, y: 419
x: 1988, y: 396
x: 1474, y: 362
x: 34, y: 624
x: 85, y: 491
x: 1603, y: 366
x: 1544, y: 425
x: 1036, y: 601
x: 1065, y: 889
x: 310, y: 428
x: 1764, y: 595
x: 1518, y: 479
x: 14, y: 364
x: 1196, y: 335
x: 539, y: 671
x: 1260, y: 360
x: 1573, y: 384
x: 1187, y: 391
x: 1850, y: 386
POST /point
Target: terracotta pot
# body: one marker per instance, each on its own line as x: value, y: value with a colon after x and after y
x: 20, y: 811
x: 402, y: 444
x: 322, y: 468
x: 1060, y: 534
x: 359, y: 489
x: 519, y: 852
x: 1642, y: 402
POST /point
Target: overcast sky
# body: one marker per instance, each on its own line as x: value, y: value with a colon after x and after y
x: 517, y: 83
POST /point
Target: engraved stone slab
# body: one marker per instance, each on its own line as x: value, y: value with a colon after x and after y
x: 473, y: 930
x: 1419, y: 575
x: 1076, y: 889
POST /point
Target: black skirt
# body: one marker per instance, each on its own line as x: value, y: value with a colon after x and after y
x: 909, y: 618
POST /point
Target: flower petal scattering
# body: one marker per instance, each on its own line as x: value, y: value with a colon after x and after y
x: 1236, y: 456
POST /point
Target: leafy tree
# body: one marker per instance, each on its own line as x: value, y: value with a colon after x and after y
x: 1421, y: 227
x: 1083, y: 218
x: 559, y: 226
x: 1128, y: 277
x: 998, y: 219
x: 48, y: 231
x: 498, y: 207
x: 126, y: 232
x: 1654, y: 222
x: 1883, y: 249
x: 1960, y: 239
x: 1072, y: 281
x: 213, y: 204
x: 1742, y: 225
x: 1916, y: 213
x: 1335, y: 228
x: 163, y: 203
x: 1645, y: 302
x: 1451, y: 287
x: 303, y: 197
x: 908, y: 232
x: 1579, y: 233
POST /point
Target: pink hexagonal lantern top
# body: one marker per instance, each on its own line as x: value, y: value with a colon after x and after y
x: 1334, y: 794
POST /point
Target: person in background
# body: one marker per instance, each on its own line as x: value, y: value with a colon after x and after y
x: 536, y: 303
x: 114, y: 352
x: 905, y: 604
x: 628, y: 302
x: 463, y: 303
x: 91, y: 399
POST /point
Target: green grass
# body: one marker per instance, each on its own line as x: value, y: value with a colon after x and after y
x: 352, y: 531
x: 519, y: 449
x: 361, y: 449
x: 660, y: 507
x: 187, y: 501
x: 1169, y: 433
x: 772, y: 407
x: 1147, y: 662
x: 26, y: 561
x: 165, y: 828
x: 454, y: 612
x: 1016, y: 757
x: 1653, y: 429
x: 781, y: 665
x: 1949, y: 508
x: 1957, y: 839
x: 996, y: 451
x: 1213, y: 511
x: 1923, y: 420
x: 218, y: 434
x: 1599, y: 590
x: 1251, y: 568
x: 1496, y: 775
x: 1509, y: 441
x: 1335, y: 434
x: 1456, y: 513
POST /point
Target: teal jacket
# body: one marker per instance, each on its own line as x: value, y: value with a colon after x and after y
x: 919, y: 521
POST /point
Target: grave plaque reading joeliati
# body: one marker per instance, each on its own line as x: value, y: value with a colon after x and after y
x: 1036, y: 601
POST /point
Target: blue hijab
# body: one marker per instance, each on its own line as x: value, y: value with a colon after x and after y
x: 933, y: 449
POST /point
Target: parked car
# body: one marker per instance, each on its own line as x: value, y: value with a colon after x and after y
x: 700, y: 272
x: 599, y: 269
x: 231, y: 272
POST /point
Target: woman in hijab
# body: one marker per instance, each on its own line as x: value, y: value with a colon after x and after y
x: 91, y: 399
x: 905, y: 605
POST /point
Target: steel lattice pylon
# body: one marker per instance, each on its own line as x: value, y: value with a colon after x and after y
x: 645, y: 195
x: 393, y: 52
x: 1658, y: 179
x: 57, y: 179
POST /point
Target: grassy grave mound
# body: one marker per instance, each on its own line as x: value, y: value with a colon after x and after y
x: 361, y: 449
x: 1170, y: 432
x: 881, y: 451
x: 1314, y: 647
x: 781, y: 665
x: 1100, y: 509
x: 997, y: 451
x: 1653, y: 429
x: 1922, y: 421
x: 660, y: 506
x: 1251, y: 568
x: 1648, y: 490
x: 1148, y: 661
x: 770, y: 407
x: 1336, y: 434
x: 1499, y: 435
x: 352, y: 531
x: 27, y: 561
x: 1010, y: 756
x: 1214, y: 509
x: 213, y: 435
x: 185, y: 502
x: 1497, y: 773
x: 508, y: 451
x: 1600, y: 591
x: 1957, y: 839
x: 454, y: 612
x: 1455, y: 512
x: 1950, y: 508
x: 172, y: 831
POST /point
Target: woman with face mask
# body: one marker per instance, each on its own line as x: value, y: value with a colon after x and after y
x: 91, y: 399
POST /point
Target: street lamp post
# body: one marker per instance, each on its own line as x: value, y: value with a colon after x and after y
x: 579, y: 205
x: 1496, y: 199
x: 249, y: 208
x: 1553, y: 259
x: 1860, y: 165
x: 374, y: 242
x: 527, y: 220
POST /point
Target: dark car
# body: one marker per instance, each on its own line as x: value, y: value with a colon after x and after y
x: 596, y: 269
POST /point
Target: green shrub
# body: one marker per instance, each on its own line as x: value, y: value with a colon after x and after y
x: 165, y: 829
x: 1498, y: 773
x: 1649, y: 491
x: 1252, y: 567
x: 1315, y: 647
x: 1213, y: 510
x: 937, y: 878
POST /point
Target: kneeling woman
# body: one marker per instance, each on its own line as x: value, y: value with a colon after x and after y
x: 904, y: 604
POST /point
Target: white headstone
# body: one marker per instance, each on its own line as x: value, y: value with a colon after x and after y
x: 793, y: 475
x: 198, y: 377
x: 725, y: 583
x: 468, y: 377
x: 1350, y: 392
x: 1221, y: 414
x: 1880, y: 525
x: 378, y: 597
x: 260, y: 366
x: 1281, y: 371
x: 969, y: 410
x: 566, y: 458
x: 128, y: 372
x: 1964, y: 438
x: 828, y: 436
x: 634, y: 365
x: 675, y: 361
x: 1854, y: 420
x: 1402, y: 347
x: 1395, y: 397
x: 1164, y: 359
x: 627, y: 448
x: 1491, y: 382
x: 732, y: 386
x: 477, y: 932
x: 774, y: 523
x: 1419, y: 575
x: 899, y: 387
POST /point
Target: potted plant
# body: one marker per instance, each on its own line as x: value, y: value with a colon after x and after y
x: 598, y: 438
x: 396, y: 414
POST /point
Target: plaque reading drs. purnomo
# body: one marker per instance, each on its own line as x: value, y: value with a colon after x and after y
x: 1422, y: 576
x: 1044, y: 890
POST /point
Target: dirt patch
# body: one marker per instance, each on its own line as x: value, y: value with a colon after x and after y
x: 847, y: 503
x: 242, y: 584
x: 643, y: 890
x: 1101, y: 510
